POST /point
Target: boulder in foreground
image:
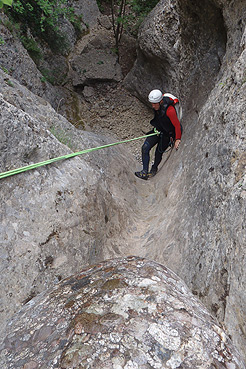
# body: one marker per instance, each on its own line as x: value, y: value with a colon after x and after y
x: 122, y: 313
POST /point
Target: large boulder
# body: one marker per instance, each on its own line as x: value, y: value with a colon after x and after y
x: 94, y: 59
x: 95, y: 66
x: 122, y: 313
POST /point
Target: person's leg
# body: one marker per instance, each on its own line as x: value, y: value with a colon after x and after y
x: 147, y: 146
x: 161, y: 148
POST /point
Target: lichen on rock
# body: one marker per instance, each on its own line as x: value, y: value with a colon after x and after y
x: 145, y: 318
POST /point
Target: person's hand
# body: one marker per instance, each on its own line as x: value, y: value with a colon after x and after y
x: 176, y: 144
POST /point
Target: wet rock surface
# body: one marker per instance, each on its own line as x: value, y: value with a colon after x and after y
x: 122, y: 313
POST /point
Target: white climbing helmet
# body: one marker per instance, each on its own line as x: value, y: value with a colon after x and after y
x: 155, y: 96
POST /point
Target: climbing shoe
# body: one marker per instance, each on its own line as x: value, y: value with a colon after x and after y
x: 152, y: 172
x: 142, y: 174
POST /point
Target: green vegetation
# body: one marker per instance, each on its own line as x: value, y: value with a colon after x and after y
x: 77, y: 21
x: 41, y: 17
x: 32, y: 47
x: 38, y: 22
x: 139, y: 10
x: 143, y: 6
x: 10, y: 83
x: 4, y: 69
x: 53, y: 76
x: 48, y: 76
x: 5, y: 2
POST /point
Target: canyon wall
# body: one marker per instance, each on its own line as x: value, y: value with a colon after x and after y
x: 190, y: 217
x: 197, y: 51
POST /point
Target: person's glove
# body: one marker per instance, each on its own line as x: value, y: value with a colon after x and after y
x: 157, y: 132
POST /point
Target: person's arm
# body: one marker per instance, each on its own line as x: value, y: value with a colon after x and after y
x: 171, y: 113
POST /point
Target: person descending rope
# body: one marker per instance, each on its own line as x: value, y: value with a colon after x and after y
x: 167, y: 123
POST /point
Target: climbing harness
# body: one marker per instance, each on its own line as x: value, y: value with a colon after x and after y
x: 68, y: 156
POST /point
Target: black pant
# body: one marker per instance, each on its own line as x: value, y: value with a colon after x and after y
x: 162, y: 143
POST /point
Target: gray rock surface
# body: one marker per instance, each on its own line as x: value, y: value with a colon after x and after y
x: 95, y: 65
x: 190, y: 217
x: 181, y: 48
x: 197, y: 51
x: 56, y: 218
x: 15, y: 60
x: 94, y: 59
x: 87, y: 9
x: 122, y: 313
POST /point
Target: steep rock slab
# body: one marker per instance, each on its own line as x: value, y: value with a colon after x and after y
x: 197, y: 226
x: 122, y: 313
x: 17, y: 63
x: 56, y: 218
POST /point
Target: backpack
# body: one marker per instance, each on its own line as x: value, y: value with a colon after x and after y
x: 176, y: 103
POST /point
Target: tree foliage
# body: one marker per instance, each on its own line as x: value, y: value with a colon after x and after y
x: 5, y: 2
x: 41, y: 17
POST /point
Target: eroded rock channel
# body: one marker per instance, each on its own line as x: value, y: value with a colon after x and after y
x: 190, y: 218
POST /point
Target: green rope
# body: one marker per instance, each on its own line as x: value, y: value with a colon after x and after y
x: 42, y: 163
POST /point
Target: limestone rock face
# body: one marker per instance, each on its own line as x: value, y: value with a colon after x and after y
x: 94, y: 59
x: 59, y: 217
x: 122, y: 313
x: 95, y: 65
x: 198, y: 52
x: 193, y: 213
x: 181, y: 47
x: 15, y: 61
x: 87, y: 9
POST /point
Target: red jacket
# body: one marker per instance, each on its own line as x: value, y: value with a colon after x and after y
x: 171, y: 113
